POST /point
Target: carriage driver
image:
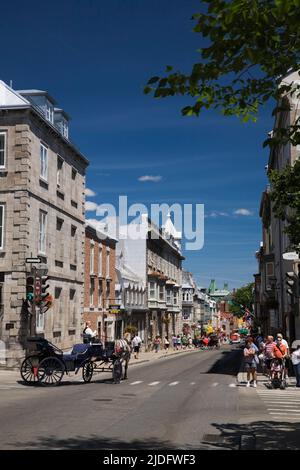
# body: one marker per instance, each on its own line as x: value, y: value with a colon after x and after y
x: 88, y: 333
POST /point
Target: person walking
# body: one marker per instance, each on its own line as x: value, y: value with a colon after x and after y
x: 166, y: 344
x: 250, y: 361
x: 156, y: 343
x: 174, y: 341
x: 178, y: 342
x: 296, y: 364
x: 136, y: 344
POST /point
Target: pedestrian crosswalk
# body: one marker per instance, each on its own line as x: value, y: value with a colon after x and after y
x: 282, y: 404
x: 174, y: 384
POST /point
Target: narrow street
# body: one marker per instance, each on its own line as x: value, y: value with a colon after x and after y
x: 176, y: 402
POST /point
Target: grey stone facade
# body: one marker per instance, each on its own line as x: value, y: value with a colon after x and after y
x: 24, y: 194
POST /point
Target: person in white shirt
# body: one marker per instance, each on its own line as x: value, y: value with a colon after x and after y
x: 88, y: 333
x: 136, y: 344
x: 296, y: 364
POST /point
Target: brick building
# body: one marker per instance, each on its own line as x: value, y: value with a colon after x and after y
x: 99, y: 284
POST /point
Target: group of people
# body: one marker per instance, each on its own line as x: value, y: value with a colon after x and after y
x: 269, y: 351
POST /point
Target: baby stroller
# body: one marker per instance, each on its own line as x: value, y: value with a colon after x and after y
x: 278, y: 375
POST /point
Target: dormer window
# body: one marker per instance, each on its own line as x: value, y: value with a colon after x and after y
x: 49, y: 112
x: 65, y: 128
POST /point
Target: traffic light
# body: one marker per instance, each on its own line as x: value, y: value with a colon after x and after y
x: 30, y: 286
x: 44, y: 287
x: 292, y: 284
x: 46, y: 300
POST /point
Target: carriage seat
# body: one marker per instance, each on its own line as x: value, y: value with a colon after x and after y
x: 79, y: 351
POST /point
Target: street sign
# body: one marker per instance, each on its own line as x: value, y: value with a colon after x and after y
x: 114, y: 309
x: 292, y: 256
x: 33, y: 260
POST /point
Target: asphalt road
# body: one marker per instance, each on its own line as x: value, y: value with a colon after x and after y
x: 180, y: 402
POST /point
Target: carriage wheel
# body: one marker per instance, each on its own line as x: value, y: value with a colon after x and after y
x: 117, y: 371
x: 87, y: 372
x: 29, y: 368
x: 50, y: 371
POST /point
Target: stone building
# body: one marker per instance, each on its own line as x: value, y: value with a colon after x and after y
x: 155, y: 261
x: 42, y: 184
x: 276, y: 309
x: 99, y: 284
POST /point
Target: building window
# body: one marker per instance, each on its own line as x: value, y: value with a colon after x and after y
x: 59, y: 174
x: 169, y: 296
x: 49, y: 112
x: 2, y: 149
x: 40, y: 320
x: 107, y: 294
x: 1, y: 226
x: 92, y: 290
x: 92, y: 255
x: 44, y: 162
x: 100, y: 295
x: 59, y: 223
x: 42, y: 232
x: 65, y: 128
x: 175, y: 297
x: 161, y: 292
x: 152, y: 290
x: 107, y: 263
x: 74, y: 173
x: 127, y: 297
x: 100, y: 260
x: 269, y: 275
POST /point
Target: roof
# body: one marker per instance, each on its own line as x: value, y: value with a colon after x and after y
x: 61, y: 111
x: 97, y: 226
x: 37, y: 93
x: 12, y: 99
x: 187, y: 280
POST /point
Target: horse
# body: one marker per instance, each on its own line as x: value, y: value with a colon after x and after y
x: 122, y: 351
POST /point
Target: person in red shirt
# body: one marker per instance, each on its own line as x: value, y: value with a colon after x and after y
x: 279, y: 350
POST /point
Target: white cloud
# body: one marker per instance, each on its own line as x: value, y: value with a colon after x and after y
x: 243, y: 212
x: 90, y: 206
x: 154, y: 179
x: 89, y: 192
x: 218, y: 214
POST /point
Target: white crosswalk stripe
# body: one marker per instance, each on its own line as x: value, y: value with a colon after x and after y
x: 172, y: 384
x: 152, y: 384
x: 136, y: 382
x: 281, y: 404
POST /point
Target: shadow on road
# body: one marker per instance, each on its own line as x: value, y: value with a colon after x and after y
x: 228, y: 364
x: 94, y: 442
x: 263, y: 435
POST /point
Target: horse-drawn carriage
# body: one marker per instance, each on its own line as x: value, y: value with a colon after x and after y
x: 46, y: 363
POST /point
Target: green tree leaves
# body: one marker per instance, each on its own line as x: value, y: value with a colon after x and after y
x: 251, y: 45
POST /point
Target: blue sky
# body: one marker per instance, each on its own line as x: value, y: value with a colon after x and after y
x: 95, y: 57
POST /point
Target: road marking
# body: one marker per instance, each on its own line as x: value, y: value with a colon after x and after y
x: 193, y: 383
x: 232, y: 385
x: 286, y: 409
x: 136, y: 382
x: 153, y: 383
x: 172, y: 384
x: 215, y: 384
